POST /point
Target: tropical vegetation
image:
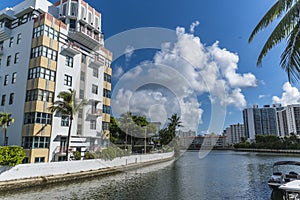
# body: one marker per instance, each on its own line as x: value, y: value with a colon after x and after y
x: 12, y: 155
x: 271, y: 142
x: 288, y: 28
x: 5, y: 121
x: 67, y: 105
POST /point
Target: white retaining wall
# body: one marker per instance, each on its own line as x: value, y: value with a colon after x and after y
x: 24, y: 171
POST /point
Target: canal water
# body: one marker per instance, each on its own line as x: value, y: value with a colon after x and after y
x: 220, y: 175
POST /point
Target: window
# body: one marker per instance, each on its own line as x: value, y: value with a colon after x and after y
x: 90, y: 18
x: 68, y: 80
x: 64, y: 10
x: 107, y: 77
x: 39, y: 95
x: 74, y: 9
x: 72, y: 24
x: 11, y: 41
x: 82, y: 74
x: 106, y: 93
x: 6, y: 79
x: 39, y: 159
x: 25, y: 160
x: 106, y: 109
x: 93, y: 124
x: 19, y: 38
x: 64, y: 120
x: 3, y: 100
x: 94, y: 89
x: 8, y: 60
x: 45, y: 30
x: 107, y: 63
x: 105, y: 126
x: 44, y: 51
x: 69, y: 61
x: 14, y: 78
x: 40, y: 72
x: 37, y: 118
x: 82, y: 12
x: 17, y: 57
x: 11, y: 98
x: 95, y: 72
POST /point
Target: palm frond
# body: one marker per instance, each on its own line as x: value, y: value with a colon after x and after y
x: 273, y: 13
x: 290, y: 58
x: 281, y: 31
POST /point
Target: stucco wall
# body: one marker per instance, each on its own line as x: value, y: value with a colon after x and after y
x: 56, y: 168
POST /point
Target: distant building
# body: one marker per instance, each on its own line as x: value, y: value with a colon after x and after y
x: 207, y: 141
x: 189, y: 133
x: 288, y: 120
x: 234, y: 133
x: 260, y: 121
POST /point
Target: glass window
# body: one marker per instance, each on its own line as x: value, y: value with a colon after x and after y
x: 68, y: 80
x: 39, y: 159
x: 95, y: 72
x: 69, y: 61
x: 94, y: 89
x: 14, y: 78
x: 11, y: 41
x: 93, y: 124
x: 19, y: 38
x: 8, y: 60
x: 11, y: 98
x: 6, y: 79
x: 3, y: 100
x: 17, y: 57
x: 64, y: 120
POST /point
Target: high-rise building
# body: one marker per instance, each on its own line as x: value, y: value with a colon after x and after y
x: 260, y: 121
x: 234, y: 133
x: 47, y: 48
x: 289, y: 120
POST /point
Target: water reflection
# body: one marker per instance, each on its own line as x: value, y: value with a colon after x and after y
x: 220, y: 175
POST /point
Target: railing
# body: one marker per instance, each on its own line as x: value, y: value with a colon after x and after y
x: 97, y: 37
x: 96, y: 111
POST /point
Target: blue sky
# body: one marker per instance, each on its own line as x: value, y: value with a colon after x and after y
x: 230, y: 22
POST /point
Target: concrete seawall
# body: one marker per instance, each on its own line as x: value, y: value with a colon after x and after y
x: 287, y: 151
x: 29, y: 175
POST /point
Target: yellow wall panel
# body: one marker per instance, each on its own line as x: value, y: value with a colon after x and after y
x: 54, y: 45
x: 106, y: 101
x: 31, y: 63
x: 53, y: 65
x: 108, y: 70
x: 107, y: 85
x: 36, y: 130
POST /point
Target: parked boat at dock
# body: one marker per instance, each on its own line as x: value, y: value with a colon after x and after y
x: 279, y: 178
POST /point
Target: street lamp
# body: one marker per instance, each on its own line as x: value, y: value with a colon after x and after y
x: 145, y: 142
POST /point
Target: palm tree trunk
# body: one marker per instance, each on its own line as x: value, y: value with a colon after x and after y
x: 69, y: 138
x: 5, y: 135
x: 126, y: 138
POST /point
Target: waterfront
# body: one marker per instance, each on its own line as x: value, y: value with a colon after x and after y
x: 220, y: 175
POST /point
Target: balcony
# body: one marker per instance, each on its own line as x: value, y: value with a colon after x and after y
x: 87, y: 37
x: 4, y: 33
x: 71, y: 48
x: 97, y: 61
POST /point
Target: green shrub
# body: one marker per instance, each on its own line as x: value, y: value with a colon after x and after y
x: 11, y: 155
x: 89, y: 155
x: 77, y: 155
x: 113, y: 152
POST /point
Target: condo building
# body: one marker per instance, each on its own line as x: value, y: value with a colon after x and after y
x: 47, y: 48
x: 234, y: 133
x: 260, y: 121
x: 288, y: 120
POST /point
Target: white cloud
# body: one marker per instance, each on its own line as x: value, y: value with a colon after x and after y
x: 261, y: 96
x: 187, y: 69
x: 118, y: 72
x: 128, y: 52
x: 193, y: 26
x: 290, y: 95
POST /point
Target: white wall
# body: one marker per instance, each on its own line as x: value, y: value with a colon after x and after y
x: 58, y: 168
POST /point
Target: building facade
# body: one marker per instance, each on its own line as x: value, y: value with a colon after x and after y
x: 234, y: 133
x: 47, y: 48
x: 288, y: 120
x: 260, y: 121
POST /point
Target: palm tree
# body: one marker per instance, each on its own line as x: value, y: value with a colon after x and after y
x: 288, y: 27
x: 174, y: 123
x: 67, y: 106
x: 126, y: 122
x: 5, y: 121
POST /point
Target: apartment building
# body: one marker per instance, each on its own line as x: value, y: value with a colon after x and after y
x: 47, y: 48
x: 234, y: 133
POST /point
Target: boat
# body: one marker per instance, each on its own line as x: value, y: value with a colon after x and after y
x: 291, y: 190
x: 278, y: 178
